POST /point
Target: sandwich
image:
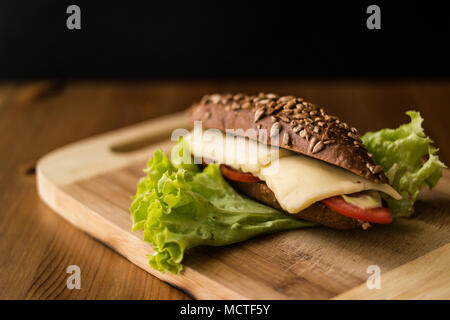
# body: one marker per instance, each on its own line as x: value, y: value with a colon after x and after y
x: 328, y: 176
x: 265, y: 163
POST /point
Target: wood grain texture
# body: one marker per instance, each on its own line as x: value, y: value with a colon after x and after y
x: 428, y: 278
x: 37, y: 245
x: 76, y: 183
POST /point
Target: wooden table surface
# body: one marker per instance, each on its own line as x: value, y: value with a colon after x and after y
x: 36, y: 245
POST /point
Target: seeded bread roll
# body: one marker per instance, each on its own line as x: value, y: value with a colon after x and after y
x: 291, y: 123
x: 317, y: 212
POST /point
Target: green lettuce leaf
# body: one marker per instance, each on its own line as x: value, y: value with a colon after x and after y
x: 180, y: 206
x: 409, y: 160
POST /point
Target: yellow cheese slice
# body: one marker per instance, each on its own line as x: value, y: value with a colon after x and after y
x: 300, y: 181
x: 296, y: 180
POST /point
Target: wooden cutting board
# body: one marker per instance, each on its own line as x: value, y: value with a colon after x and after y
x: 90, y: 183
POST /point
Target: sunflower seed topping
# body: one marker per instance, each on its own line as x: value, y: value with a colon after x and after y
x: 235, y: 106
x: 246, y: 105
x: 258, y: 114
x: 308, y: 120
x: 377, y: 169
x: 285, y: 99
x: 278, y: 106
x: 297, y: 128
x: 318, y: 147
x: 226, y: 98
x: 238, y: 96
x: 312, y: 143
x: 215, y: 98
x: 353, y: 136
x: 284, y: 118
x: 271, y: 96
x: 299, y: 116
x: 289, y: 105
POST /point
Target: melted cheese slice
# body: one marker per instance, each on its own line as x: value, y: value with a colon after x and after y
x: 297, y: 181
x: 300, y: 181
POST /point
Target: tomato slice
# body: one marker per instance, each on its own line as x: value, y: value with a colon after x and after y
x: 237, y: 175
x: 377, y: 215
x: 380, y: 215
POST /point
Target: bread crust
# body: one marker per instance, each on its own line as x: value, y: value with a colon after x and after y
x: 317, y: 212
x: 303, y: 128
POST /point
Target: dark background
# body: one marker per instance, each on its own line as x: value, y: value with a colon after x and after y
x: 237, y: 39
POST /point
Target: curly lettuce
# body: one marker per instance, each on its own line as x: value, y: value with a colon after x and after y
x: 409, y: 159
x: 180, y: 206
